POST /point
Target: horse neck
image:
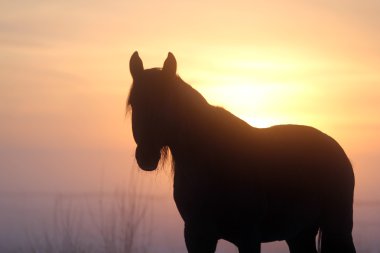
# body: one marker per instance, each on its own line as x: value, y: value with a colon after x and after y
x: 189, y: 112
x: 200, y: 125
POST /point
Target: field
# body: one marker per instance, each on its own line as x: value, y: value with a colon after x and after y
x: 123, y: 222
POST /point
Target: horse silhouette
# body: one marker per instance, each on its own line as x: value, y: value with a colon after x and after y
x: 239, y: 183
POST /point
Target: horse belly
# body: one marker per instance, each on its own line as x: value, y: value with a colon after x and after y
x: 285, y: 220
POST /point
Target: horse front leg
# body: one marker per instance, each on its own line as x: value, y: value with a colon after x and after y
x: 200, y: 240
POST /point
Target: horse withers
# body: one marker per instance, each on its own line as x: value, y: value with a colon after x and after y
x: 239, y: 183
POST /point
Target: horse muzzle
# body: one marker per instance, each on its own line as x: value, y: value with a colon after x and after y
x: 147, y: 158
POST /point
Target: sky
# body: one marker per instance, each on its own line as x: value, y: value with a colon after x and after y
x: 64, y: 79
x: 64, y: 72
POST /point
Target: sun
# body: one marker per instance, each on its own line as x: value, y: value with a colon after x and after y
x: 259, y: 105
x: 261, y: 122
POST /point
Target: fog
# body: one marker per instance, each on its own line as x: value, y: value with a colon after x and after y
x: 66, y: 146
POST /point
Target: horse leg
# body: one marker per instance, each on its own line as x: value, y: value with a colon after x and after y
x: 250, y: 248
x: 337, y: 226
x: 337, y: 243
x: 249, y: 243
x: 304, y: 242
x: 199, y: 240
x: 337, y: 236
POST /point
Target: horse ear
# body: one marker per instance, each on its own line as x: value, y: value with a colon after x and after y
x: 170, y: 65
x: 135, y: 65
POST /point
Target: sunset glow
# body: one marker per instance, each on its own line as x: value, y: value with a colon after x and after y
x: 65, y: 73
x: 64, y: 80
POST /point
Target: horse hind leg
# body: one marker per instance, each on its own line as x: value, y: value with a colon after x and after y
x: 336, y: 226
x: 337, y: 239
x: 304, y: 242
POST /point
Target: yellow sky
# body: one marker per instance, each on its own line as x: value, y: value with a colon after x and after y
x: 64, y: 67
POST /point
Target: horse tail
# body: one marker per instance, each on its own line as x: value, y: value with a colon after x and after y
x: 319, y: 242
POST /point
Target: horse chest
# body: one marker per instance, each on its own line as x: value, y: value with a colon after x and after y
x: 286, y: 217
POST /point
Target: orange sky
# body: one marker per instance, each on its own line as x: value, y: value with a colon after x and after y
x: 64, y: 77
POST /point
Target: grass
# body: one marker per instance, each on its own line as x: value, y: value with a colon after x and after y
x: 117, y: 223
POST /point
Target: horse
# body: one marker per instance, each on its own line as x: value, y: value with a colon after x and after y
x: 239, y: 183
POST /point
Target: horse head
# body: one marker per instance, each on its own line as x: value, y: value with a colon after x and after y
x: 151, y: 100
